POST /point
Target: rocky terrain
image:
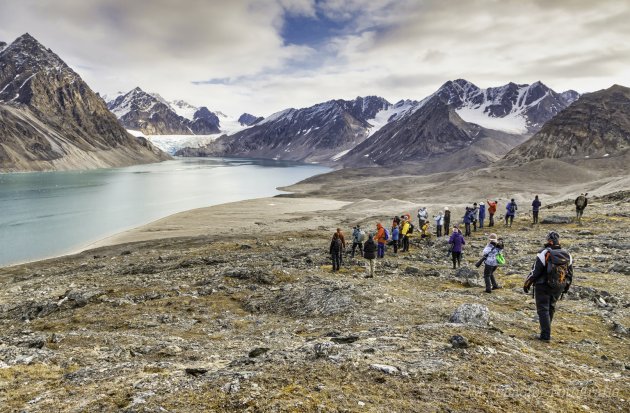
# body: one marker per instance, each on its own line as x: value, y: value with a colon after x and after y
x: 256, y: 321
x: 51, y: 120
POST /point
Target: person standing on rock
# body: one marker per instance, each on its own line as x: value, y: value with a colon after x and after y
x: 551, y: 276
x: 492, y: 209
x: 467, y: 221
x: 423, y: 217
x: 447, y: 220
x: 357, y: 240
x: 457, y: 242
x: 381, y: 239
x: 510, y: 212
x: 369, y: 253
x: 439, y: 221
x: 536, y: 204
x: 490, y: 252
x: 335, y: 252
x: 580, y: 204
x: 405, y: 228
x: 474, y: 212
x: 482, y: 214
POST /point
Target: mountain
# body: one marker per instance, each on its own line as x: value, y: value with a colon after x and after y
x: 511, y: 108
x: 51, y: 120
x: 3, y: 46
x: 152, y: 115
x: 596, y: 125
x: 248, y: 120
x: 315, y: 134
x: 428, y: 131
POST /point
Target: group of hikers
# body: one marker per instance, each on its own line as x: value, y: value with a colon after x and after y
x: 551, y: 274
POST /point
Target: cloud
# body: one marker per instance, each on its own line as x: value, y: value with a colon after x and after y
x: 237, y: 56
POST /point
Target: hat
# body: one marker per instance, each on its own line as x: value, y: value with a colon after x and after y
x: 493, y: 237
x: 446, y: 208
x: 554, y: 237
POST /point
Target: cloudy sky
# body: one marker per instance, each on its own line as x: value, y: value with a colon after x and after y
x: 262, y: 56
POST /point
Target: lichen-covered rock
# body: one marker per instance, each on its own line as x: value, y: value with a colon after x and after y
x: 471, y: 314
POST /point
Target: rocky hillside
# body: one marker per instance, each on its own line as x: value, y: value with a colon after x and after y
x: 316, y: 134
x: 597, y: 125
x: 256, y: 321
x: 152, y: 115
x: 50, y: 119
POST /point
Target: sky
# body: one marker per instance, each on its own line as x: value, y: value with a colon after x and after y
x: 262, y: 56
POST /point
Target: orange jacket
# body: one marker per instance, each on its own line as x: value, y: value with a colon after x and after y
x: 380, y: 234
x: 492, y: 207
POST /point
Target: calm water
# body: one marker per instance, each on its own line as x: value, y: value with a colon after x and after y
x: 52, y: 213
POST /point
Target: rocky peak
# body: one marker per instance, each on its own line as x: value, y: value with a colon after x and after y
x: 247, y: 119
x: 3, y: 46
x: 570, y: 96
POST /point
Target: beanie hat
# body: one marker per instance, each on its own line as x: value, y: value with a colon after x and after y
x: 493, y: 237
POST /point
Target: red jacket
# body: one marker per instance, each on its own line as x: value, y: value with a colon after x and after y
x: 380, y: 234
x: 492, y: 207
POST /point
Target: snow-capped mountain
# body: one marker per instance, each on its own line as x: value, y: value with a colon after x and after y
x: 50, y: 119
x: 313, y: 134
x: 510, y: 108
x: 247, y: 119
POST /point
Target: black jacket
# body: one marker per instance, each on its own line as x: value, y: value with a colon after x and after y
x: 335, y: 246
x: 369, y: 249
x: 538, y: 274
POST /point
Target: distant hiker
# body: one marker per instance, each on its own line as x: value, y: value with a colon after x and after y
x: 357, y: 240
x: 381, y: 239
x: 482, y: 214
x: 396, y: 221
x: 551, y: 276
x: 335, y: 251
x: 457, y: 243
x: 447, y: 220
x: 580, y: 204
x: 343, y: 242
x: 510, y: 211
x: 369, y: 253
x: 467, y: 220
x: 425, y: 231
x: 490, y: 252
x: 492, y: 209
x: 439, y: 221
x: 474, y: 212
x: 423, y: 217
x: 535, y: 208
x: 405, y: 233
x: 395, y: 236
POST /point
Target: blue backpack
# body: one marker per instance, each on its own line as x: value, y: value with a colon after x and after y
x: 386, y: 234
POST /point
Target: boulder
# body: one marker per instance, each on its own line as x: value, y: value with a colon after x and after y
x: 476, y: 314
x: 466, y: 272
x: 458, y: 341
x: 556, y: 219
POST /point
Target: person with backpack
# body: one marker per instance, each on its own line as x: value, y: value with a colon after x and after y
x: 490, y: 261
x: 492, y: 209
x: 536, y: 204
x: 474, y: 211
x: 335, y: 252
x: 406, y: 229
x: 467, y: 221
x: 395, y: 236
x: 381, y: 239
x: 423, y: 217
x: 369, y: 253
x: 580, y: 204
x: 439, y: 221
x: 457, y: 242
x: 482, y: 214
x: 343, y: 242
x: 510, y: 212
x: 447, y: 220
x: 357, y: 240
x: 551, y: 276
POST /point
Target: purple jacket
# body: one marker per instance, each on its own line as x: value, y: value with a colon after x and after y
x: 457, y: 239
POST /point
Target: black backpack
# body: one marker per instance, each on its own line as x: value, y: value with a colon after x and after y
x: 410, y: 230
x: 558, y: 268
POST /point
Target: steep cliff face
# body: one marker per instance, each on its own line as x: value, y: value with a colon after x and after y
x: 51, y: 119
x: 596, y: 125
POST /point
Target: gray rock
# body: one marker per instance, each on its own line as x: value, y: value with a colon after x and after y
x: 258, y: 351
x: 621, y: 268
x: 556, y: 219
x: 466, y: 272
x: 324, y: 349
x: 471, y: 314
x: 344, y: 340
x: 619, y: 329
x: 384, y: 368
x: 458, y: 341
x: 196, y: 371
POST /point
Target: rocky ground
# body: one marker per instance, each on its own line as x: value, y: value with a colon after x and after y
x: 259, y: 323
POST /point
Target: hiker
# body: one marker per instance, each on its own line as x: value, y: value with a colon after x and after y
x: 490, y: 252
x: 343, y: 242
x: 535, y: 208
x: 580, y: 204
x: 482, y: 214
x: 357, y: 240
x: 457, y: 242
x: 551, y: 276
x: 474, y: 211
x: 369, y: 253
x: 423, y: 217
x: 395, y: 235
x: 335, y: 251
x: 447, y: 220
x: 510, y: 209
x: 425, y: 230
x: 467, y: 221
x: 439, y: 221
x: 492, y: 209
x: 381, y: 238
x: 405, y: 232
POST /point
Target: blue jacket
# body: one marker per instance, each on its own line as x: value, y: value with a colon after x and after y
x: 482, y: 212
x: 395, y: 234
x: 468, y: 217
x: 507, y: 209
x: 457, y: 240
x: 536, y: 205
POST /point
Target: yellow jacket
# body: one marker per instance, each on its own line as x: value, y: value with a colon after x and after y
x: 405, y: 228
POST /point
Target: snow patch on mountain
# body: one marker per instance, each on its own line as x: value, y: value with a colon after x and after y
x: 173, y: 143
x: 183, y: 109
x: 512, y: 123
x: 390, y: 114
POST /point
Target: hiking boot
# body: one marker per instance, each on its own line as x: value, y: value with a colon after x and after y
x: 497, y: 287
x: 543, y: 339
x: 489, y: 291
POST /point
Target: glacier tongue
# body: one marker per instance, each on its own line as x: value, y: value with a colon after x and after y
x: 513, y: 122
